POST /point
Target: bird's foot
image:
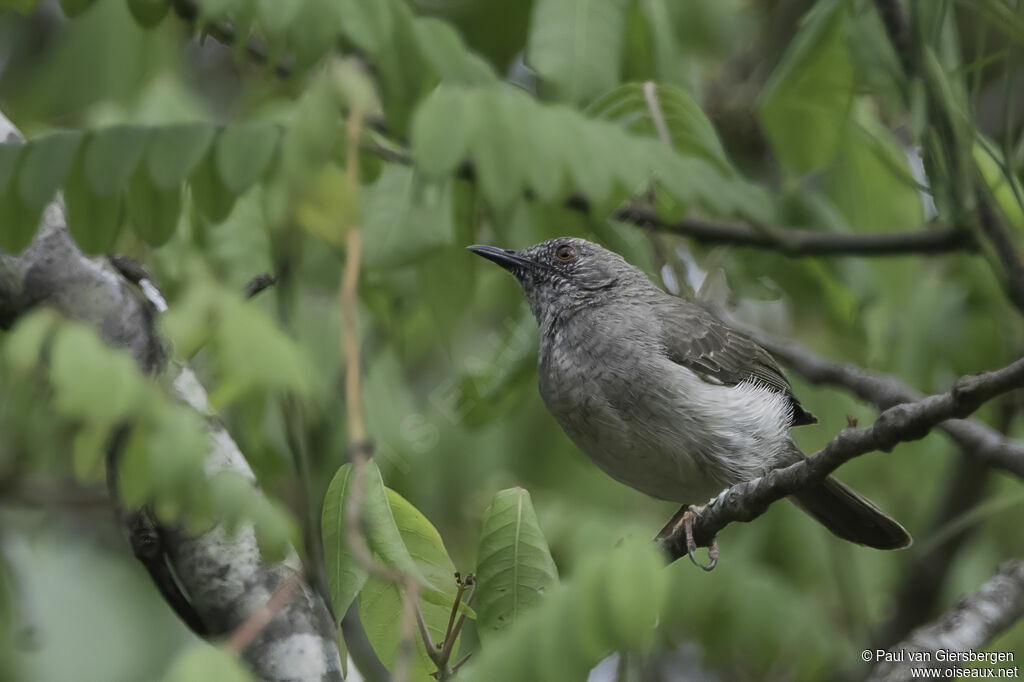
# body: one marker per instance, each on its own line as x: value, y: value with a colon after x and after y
x: 683, y: 520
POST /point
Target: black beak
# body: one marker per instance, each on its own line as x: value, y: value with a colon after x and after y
x: 510, y: 260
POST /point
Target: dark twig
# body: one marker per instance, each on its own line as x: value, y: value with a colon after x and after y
x: 904, y: 422
x: 972, y: 623
x: 785, y: 240
x: 799, y: 242
x: 1002, y: 245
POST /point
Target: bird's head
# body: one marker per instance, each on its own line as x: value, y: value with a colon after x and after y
x: 564, y: 273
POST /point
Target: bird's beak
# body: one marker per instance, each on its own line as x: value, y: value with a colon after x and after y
x: 510, y: 260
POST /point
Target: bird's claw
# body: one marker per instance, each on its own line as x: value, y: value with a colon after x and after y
x: 682, y: 521
x: 691, y: 513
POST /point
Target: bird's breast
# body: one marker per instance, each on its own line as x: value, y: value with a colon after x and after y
x: 655, y: 425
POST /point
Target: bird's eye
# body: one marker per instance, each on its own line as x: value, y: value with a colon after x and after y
x: 565, y: 252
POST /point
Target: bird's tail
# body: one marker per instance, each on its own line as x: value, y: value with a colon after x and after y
x: 851, y: 516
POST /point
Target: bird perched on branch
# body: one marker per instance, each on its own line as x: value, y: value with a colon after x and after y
x: 662, y: 394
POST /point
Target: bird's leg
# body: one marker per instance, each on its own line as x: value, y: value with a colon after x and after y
x: 683, y: 520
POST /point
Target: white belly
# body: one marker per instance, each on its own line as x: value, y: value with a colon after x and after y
x: 686, y: 439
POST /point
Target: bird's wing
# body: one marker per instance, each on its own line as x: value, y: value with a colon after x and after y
x: 696, y: 339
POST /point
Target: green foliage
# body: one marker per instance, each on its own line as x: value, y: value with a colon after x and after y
x: 514, y: 568
x: 160, y: 442
x: 495, y: 122
x: 609, y: 605
x: 401, y: 539
x: 576, y: 45
x: 805, y: 105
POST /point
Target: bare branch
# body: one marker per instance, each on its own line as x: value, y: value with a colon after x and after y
x: 800, y: 242
x: 904, y: 422
x: 972, y: 623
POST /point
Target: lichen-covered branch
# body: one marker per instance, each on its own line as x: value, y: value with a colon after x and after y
x: 903, y: 422
x: 224, y: 576
x: 972, y: 623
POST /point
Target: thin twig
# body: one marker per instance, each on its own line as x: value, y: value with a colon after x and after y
x: 360, y: 446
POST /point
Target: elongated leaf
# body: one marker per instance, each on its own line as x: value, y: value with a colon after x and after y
x: 642, y: 108
x: 110, y: 157
x: 871, y: 183
x: 805, y: 106
x: 72, y: 8
x: 514, y: 567
x: 45, y: 165
x: 175, y: 151
x: 94, y: 221
x: 442, y: 129
x: 243, y: 152
x: 379, y: 602
x: 576, y: 45
x: 153, y: 212
x: 213, y: 198
x: 345, y: 577
x: 17, y: 221
x: 149, y: 13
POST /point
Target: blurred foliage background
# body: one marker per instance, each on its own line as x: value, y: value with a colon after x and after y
x: 776, y: 113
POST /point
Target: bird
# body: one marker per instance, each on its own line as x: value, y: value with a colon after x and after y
x: 662, y: 394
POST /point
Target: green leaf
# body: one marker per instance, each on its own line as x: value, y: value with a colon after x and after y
x: 576, y: 45
x: 276, y: 15
x: 28, y: 339
x: 636, y: 107
x: 18, y: 221
x: 176, y: 150
x: 44, y: 166
x: 82, y: 368
x: 94, y: 221
x: 345, y: 577
x: 805, y: 105
x: 213, y: 198
x: 499, y: 148
x: 23, y: 6
x: 442, y: 128
x: 153, y: 212
x: 870, y: 181
x: 514, y: 567
x: 380, y: 602
x: 404, y: 217
x: 149, y: 13
x: 204, y: 662
x: 443, y: 47
x: 72, y: 8
x: 243, y: 152
x: 111, y: 155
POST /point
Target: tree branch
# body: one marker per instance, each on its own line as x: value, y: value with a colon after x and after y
x: 972, y: 623
x: 788, y: 241
x: 980, y: 441
x: 223, y: 573
x: 904, y: 422
x: 799, y: 242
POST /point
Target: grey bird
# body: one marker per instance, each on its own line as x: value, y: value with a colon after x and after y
x: 662, y: 394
